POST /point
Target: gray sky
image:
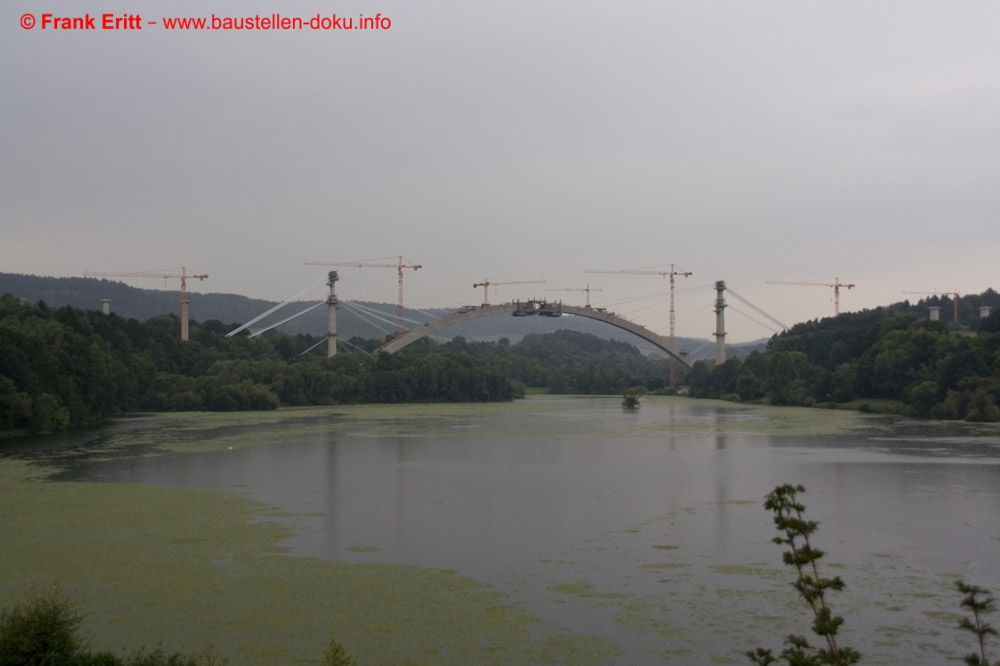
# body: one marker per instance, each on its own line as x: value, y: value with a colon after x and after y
x: 740, y: 140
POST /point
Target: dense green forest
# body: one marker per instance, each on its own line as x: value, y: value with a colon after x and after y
x: 932, y: 368
x: 65, y: 367
x: 561, y: 362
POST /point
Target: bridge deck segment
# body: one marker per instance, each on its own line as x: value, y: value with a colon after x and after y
x: 430, y: 327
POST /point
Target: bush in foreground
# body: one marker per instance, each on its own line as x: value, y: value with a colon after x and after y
x: 45, y: 632
x: 42, y: 632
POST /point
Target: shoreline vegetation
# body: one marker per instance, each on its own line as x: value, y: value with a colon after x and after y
x: 66, y: 368
x: 885, y: 360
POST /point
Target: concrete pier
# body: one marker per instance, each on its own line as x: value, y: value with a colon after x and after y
x: 720, y: 322
x: 331, y: 301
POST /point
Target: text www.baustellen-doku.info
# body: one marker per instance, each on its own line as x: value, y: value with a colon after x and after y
x: 57, y: 22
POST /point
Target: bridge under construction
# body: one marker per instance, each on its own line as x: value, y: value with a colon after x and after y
x: 542, y: 309
x: 529, y: 308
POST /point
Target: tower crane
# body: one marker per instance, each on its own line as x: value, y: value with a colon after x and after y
x: 585, y: 290
x: 485, y: 284
x: 953, y: 294
x: 399, y: 266
x: 836, y: 284
x: 671, y: 274
x: 165, y: 274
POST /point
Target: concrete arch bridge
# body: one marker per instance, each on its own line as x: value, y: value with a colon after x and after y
x: 542, y: 309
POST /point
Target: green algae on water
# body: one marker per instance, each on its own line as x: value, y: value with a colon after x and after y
x: 211, y: 431
x: 188, y: 569
x: 659, y: 566
x: 584, y: 589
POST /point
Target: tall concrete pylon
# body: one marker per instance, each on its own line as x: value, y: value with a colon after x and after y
x: 331, y: 301
x: 720, y: 322
x: 184, y: 317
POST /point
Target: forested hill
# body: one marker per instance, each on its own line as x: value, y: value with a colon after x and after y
x: 933, y: 369
x: 133, y: 302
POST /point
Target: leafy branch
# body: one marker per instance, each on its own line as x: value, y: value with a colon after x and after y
x: 795, y: 531
x: 980, y: 602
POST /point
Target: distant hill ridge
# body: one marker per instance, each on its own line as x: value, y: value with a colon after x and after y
x: 142, y: 304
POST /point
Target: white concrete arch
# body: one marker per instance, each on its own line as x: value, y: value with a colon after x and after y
x: 430, y: 327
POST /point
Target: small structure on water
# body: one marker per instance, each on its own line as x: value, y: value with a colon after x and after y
x: 630, y: 401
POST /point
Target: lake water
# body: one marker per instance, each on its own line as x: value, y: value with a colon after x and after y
x: 643, y: 527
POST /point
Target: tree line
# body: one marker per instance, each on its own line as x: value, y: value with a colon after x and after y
x: 932, y: 368
x: 66, y: 367
x: 561, y: 362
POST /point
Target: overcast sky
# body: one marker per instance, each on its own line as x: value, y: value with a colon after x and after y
x: 519, y: 140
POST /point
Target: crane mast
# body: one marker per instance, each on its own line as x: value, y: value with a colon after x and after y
x: 399, y: 266
x: 585, y: 290
x: 836, y: 284
x: 183, y: 275
x: 671, y: 274
x: 953, y: 294
x: 485, y: 284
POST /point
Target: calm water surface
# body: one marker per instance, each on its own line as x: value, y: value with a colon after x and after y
x: 644, y: 526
